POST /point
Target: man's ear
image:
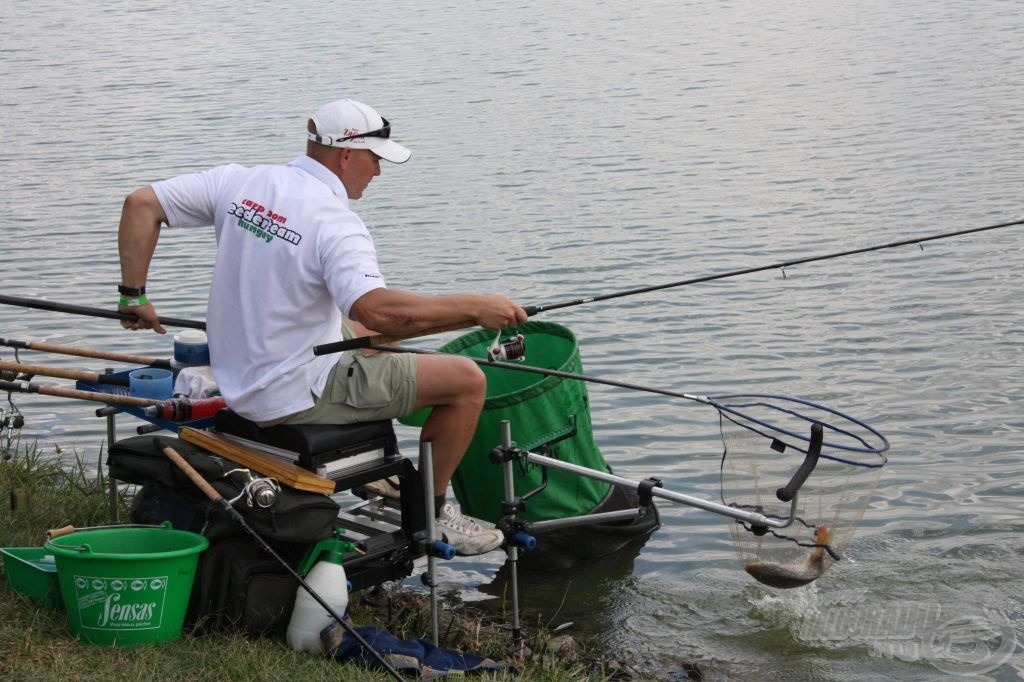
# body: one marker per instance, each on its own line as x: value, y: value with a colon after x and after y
x: 342, y: 157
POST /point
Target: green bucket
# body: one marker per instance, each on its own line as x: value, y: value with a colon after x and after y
x: 537, y: 407
x: 127, y: 585
x: 32, y: 571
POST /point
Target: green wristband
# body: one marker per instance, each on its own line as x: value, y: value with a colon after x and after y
x: 133, y: 302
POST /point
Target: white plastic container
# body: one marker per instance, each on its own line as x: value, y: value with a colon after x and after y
x: 190, y: 349
x: 327, y: 578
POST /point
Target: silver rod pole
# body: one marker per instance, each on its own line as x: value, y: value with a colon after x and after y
x: 586, y: 520
x: 427, y: 471
x: 511, y: 551
x: 115, y: 515
x: 707, y: 505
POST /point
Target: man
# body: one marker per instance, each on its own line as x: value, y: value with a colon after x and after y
x: 292, y: 258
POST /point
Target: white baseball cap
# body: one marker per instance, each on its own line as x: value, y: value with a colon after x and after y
x: 354, y: 125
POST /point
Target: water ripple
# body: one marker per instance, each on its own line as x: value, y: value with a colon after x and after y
x: 563, y: 151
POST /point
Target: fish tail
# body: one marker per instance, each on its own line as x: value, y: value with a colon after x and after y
x: 822, y: 537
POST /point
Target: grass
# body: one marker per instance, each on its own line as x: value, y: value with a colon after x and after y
x: 36, y: 643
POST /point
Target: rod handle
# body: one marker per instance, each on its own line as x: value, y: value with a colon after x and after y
x: 179, y: 461
x: 787, y: 493
x: 58, y: 532
x: 383, y: 339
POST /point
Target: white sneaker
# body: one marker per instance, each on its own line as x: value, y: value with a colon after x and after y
x: 467, y: 535
x: 385, y: 487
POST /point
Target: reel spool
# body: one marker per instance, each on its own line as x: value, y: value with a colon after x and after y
x: 11, y: 422
x: 510, y: 350
x: 259, y: 492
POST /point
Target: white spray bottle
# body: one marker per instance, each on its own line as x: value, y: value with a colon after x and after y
x: 327, y: 579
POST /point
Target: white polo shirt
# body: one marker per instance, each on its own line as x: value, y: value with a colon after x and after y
x: 291, y: 257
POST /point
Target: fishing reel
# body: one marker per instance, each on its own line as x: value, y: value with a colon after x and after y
x: 512, y: 349
x: 11, y: 421
x: 259, y: 492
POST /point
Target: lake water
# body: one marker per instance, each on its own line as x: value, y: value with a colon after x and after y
x: 563, y: 150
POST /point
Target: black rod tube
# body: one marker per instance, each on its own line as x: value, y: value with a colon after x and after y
x: 74, y: 309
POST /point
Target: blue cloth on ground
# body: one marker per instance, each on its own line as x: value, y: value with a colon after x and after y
x: 416, y: 656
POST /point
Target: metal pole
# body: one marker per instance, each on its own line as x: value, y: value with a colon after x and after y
x: 114, y: 512
x: 585, y: 520
x: 511, y: 551
x: 715, y: 507
x: 427, y: 472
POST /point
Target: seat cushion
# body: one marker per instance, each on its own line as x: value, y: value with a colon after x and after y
x: 309, y: 440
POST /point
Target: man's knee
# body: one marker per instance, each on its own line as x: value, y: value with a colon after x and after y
x: 451, y: 380
x: 473, y: 380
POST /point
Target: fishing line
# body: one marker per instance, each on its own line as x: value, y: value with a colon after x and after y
x: 366, y: 341
x: 763, y: 414
x: 774, y: 446
x: 531, y: 310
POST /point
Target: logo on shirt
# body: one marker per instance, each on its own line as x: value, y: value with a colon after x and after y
x: 262, y: 222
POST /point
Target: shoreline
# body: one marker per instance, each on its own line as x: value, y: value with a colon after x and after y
x: 45, y: 493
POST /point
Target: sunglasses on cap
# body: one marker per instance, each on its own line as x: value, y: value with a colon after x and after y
x: 383, y: 132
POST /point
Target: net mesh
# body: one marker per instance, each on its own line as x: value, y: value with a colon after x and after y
x: 766, y: 439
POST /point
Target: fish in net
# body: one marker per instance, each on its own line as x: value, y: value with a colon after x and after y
x: 767, y: 440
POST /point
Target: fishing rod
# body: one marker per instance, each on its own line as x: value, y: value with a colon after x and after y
x: 369, y: 341
x: 745, y: 410
x: 774, y: 266
x: 74, y: 309
x: 61, y: 392
x: 172, y: 409
x: 86, y: 352
x: 15, y: 368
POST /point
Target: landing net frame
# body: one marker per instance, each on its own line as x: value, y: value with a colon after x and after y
x: 766, y: 438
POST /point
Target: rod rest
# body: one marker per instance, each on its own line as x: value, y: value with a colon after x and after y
x: 313, y: 442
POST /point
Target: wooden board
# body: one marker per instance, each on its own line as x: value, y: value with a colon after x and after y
x: 264, y: 463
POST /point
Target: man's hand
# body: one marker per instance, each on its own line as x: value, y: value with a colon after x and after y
x: 137, y: 234
x: 498, y: 312
x: 148, y: 318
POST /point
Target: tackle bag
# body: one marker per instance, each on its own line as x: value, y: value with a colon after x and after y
x: 238, y: 586
x: 167, y: 494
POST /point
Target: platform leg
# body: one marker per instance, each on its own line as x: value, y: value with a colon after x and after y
x: 111, y: 483
x: 427, y: 473
x: 511, y: 550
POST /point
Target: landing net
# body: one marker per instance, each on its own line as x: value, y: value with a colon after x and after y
x: 766, y: 439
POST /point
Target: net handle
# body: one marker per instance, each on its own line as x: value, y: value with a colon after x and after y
x: 789, y: 491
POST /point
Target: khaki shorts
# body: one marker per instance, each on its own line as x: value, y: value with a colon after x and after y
x: 364, y: 388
